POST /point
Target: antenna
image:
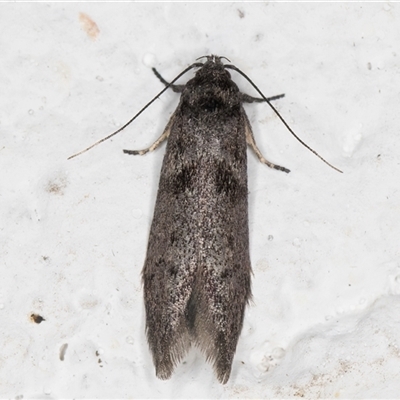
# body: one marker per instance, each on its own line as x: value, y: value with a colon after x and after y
x: 133, y: 118
x: 229, y: 66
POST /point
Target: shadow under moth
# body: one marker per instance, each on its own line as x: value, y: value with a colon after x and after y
x: 197, y: 272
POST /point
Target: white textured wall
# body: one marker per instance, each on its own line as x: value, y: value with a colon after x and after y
x: 73, y: 234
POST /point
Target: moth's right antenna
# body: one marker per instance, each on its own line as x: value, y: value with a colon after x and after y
x: 280, y: 117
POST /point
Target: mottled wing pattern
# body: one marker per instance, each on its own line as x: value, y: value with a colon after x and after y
x: 197, y: 272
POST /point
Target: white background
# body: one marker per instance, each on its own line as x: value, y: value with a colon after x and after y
x: 325, y: 320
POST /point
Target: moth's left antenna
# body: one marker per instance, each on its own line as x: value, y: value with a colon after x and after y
x: 132, y: 119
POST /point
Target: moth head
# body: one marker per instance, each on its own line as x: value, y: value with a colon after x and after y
x: 214, y: 59
x: 212, y: 89
x: 213, y: 70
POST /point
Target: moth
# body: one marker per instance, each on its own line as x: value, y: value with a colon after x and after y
x: 197, y: 271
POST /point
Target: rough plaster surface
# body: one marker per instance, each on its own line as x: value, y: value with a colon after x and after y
x: 325, y: 322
